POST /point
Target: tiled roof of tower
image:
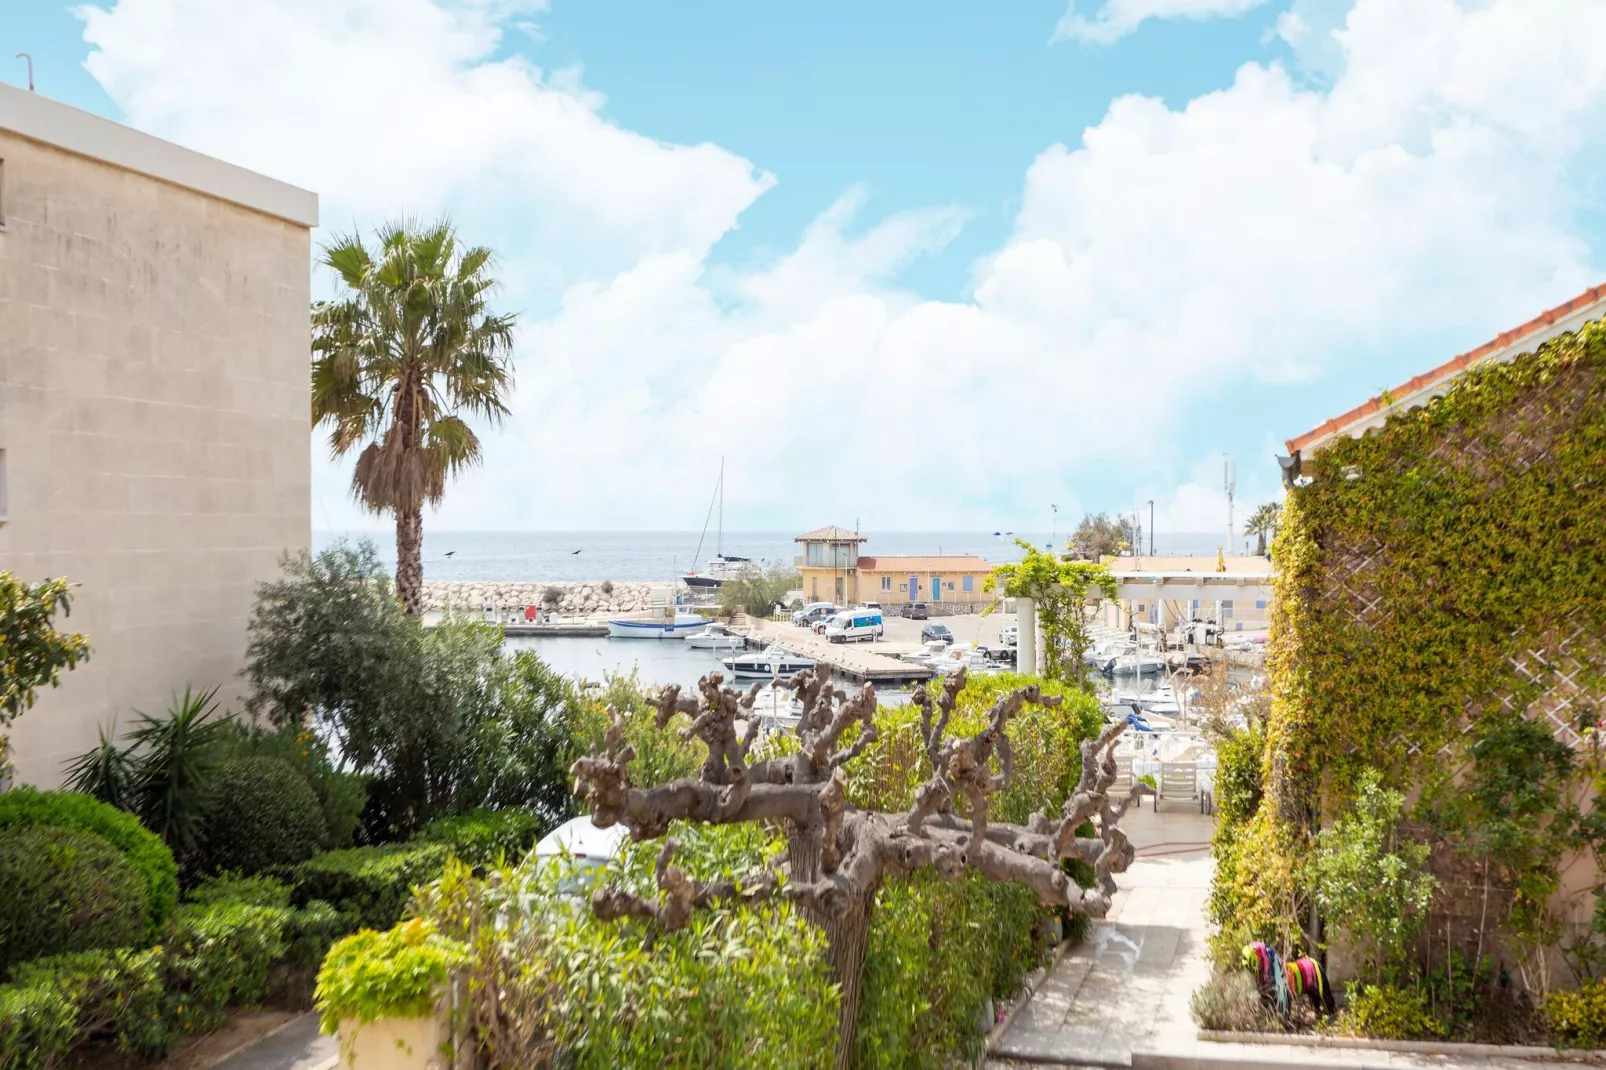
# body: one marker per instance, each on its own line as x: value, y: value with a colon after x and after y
x: 831, y: 533
x: 1589, y: 305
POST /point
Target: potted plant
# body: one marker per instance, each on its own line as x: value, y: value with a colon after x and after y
x: 383, y: 994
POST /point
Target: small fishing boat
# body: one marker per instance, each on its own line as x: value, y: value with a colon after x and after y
x: 770, y: 662
x: 680, y: 625
x: 714, y: 637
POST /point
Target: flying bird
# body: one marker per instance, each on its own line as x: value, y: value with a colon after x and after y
x: 449, y: 553
x: 572, y: 553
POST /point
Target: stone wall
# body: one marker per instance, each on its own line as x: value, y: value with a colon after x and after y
x: 573, y: 598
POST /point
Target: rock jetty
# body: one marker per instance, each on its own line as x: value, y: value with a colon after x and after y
x: 566, y: 597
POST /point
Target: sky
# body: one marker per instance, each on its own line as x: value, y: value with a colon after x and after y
x: 916, y: 266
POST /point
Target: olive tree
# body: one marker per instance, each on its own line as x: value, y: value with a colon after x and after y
x: 838, y: 855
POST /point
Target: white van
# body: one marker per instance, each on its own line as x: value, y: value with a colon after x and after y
x: 859, y: 624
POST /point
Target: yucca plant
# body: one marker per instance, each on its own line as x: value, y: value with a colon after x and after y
x: 107, y: 772
x: 176, y: 757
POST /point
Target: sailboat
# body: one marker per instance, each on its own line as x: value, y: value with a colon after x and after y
x: 722, y: 566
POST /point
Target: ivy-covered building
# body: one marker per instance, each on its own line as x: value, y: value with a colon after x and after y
x: 1440, y: 619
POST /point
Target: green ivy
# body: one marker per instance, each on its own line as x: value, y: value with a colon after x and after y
x: 1417, y: 568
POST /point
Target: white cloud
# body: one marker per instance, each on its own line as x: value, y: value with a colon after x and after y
x: 1171, y: 259
x: 1117, y: 18
x: 390, y: 105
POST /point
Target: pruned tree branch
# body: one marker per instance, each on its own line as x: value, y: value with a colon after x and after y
x: 856, y: 850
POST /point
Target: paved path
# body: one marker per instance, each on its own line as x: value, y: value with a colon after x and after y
x: 298, y: 1046
x: 1127, y: 986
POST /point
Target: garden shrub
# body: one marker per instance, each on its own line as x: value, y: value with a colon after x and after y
x: 1230, y: 1001
x: 482, y: 836
x: 222, y: 953
x: 22, y: 807
x: 65, y: 890
x: 1386, y: 1012
x: 737, y: 987
x: 369, y: 885
x: 1372, y: 883
x: 341, y: 796
x: 263, y: 814
x: 439, y: 720
x: 1578, y: 1017
x: 56, y: 1004
x: 214, y: 954
x: 228, y: 887
x: 394, y: 974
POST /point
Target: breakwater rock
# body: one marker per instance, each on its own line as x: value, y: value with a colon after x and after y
x: 568, y: 597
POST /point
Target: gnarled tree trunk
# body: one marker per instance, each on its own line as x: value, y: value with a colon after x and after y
x: 847, y: 938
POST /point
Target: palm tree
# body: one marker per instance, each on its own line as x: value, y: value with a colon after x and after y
x: 396, y: 359
x: 1263, y: 523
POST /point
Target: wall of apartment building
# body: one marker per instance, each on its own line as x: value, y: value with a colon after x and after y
x: 153, y: 407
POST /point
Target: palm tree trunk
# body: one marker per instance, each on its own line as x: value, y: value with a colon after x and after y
x: 410, y: 559
x: 1261, y: 544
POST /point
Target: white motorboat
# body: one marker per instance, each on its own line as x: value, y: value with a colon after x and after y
x: 714, y: 637
x: 1135, y: 662
x: 770, y: 662
x: 680, y: 625
x: 1165, y: 700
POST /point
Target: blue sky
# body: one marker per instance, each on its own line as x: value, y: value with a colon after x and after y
x: 932, y: 265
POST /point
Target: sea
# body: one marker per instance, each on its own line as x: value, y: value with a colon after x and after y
x: 537, y: 556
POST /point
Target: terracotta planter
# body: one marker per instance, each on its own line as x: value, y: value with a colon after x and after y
x: 395, y: 1044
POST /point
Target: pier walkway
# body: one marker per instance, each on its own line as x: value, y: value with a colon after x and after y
x: 857, y: 661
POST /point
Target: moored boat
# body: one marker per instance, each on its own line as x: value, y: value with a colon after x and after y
x: 714, y: 636
x: 676, y: 627
x: 769, y: 662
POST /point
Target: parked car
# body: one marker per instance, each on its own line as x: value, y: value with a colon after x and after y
x: 814, y: 611
x: 916, y: 611
x: 936, y: 633
x: 1011, y: 635
x: 868, y: 605
x: 859, y: 624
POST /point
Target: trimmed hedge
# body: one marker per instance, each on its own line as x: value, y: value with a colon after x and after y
x: 141, y: 1002
x: 369, y: 885
x: 480, y: 836
x: 264, y: 813
x: 25, y: 807
x: 64, y: 890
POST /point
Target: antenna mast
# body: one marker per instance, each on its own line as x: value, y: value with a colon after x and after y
x: 1229, y: 480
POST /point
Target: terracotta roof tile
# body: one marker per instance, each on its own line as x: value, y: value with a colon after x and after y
x: 933, y: 563
x: 831, y: 533
x: 1450, y: 368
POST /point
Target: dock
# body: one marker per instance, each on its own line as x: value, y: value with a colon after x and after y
x: 556, y: 631
x: 858, y: 662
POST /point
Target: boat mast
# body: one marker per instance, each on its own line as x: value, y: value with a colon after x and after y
x: 701, y: 538
x: 719, y: 546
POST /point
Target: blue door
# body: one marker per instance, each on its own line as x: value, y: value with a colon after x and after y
x: 914, y: 588
x: 936, y: 588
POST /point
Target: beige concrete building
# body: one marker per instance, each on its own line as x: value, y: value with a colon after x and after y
x: 1234, y: 592
x: 154, y: 445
